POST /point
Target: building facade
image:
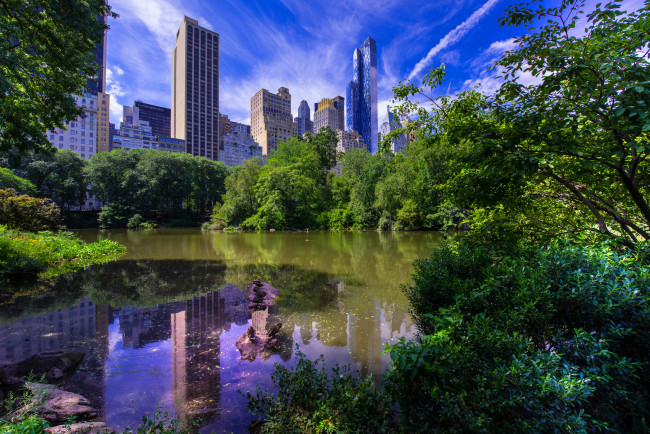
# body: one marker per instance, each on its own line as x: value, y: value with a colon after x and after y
x: 390, y: 123
x: 103, y: 125
x: 349, y: 140
x: 304, y: 119
x: 237, y: 148
x: 80, y: 135
x: 135, y: 133
x: 195, y: 89
x: 326, y: 116
x: 159, y: 118
x: 361, y: 95
x: 226, y: 126
x: 271, y: 120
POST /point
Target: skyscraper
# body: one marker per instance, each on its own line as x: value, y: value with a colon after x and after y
x: 98, y: 83
x: 304, y: 119
x: 271, y: 120
x: 362, y: 94
x: 326, y: 115
x: 391, y: 123
x: 159, y: 118
x: 195, y: 89
x: 339, y: 105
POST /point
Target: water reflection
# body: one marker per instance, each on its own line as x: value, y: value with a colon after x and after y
x: 161, y: 333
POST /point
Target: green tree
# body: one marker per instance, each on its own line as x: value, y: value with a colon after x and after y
x: 9, y: 180
x: 47, y: 54
x: 569, y: 151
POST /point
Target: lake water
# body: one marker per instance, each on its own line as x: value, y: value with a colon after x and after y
x: 159, y: 326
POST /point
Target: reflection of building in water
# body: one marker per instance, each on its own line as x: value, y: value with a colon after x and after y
x: 259, y: 319
x: 140, y: 327
x: 365, y: 339
x: 82, y: 327
x: 195, y: 334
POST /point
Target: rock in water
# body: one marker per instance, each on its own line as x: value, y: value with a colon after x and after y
x: 56, y: 405
x: 79, y: 428
x: 55, y: 365
x: 274, y: 330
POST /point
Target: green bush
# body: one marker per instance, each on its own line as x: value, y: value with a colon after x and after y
x: 31, y: 425
x: 556, y: 338
x: 28, y: 213
x: 9, y: 180
x: 24, y: 253
x: 311, y: 401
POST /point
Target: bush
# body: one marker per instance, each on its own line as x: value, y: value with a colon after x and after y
x: 135, y: 221
x: 25, y: 253
x: 28, y: 213
x: 114, y: 215
x: 311, y: 401
x: 9, y: 180
x: 32, y: 424
x: 553, y: 339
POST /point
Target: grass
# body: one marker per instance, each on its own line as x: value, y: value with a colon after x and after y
x: 49, y: 253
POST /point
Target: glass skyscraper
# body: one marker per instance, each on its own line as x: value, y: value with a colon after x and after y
x: 361, y: 95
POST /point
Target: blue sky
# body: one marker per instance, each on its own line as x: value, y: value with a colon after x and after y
x: 306, y: 45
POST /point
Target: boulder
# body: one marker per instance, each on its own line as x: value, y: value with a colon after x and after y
x: 55, y: 405
x: 79, y: 428
x: 55, y: 366
x: 251, y: 344
x: 260, y: 295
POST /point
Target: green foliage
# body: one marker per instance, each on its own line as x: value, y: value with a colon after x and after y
x: 311, y: 400
x: 555, y: 338
x: 9, y: 180
x: 168, y: 187
x: 27, y: 213
x: 47, y: 54
x: 567, y: 152
x: 31, y: 425
x: 27, y: 253
x: 162, y: 423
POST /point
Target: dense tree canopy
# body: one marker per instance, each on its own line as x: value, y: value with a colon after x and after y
x: 47, y: 55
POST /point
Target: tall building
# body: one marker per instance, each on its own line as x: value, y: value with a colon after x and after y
x: 339, y: 104
x: 79, y: 135
x: 390, y: 123
x: 326, y: 115
x: 135, y: 133
x: 271, y: 120
x: 349, y: 140
x: 237, y: 148
x: 304, y: 119
x: 98, y: 83
x: 362, y: 94
x: 226, y: 126
x: 195, y: 89
x: 159, y: 118
x: 103, y: 124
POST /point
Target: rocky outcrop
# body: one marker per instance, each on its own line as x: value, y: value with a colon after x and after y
x: 252, y: 344
x: 55, y: 405
x: 79, y: 428
x: 53, y: 366
x: 260, y: 295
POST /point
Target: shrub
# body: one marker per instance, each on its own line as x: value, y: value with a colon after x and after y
x: 311, y: 401
x: 135, y: 221
x: 32, y: 424
x: 9, y: 180
x: 553, y: 339
x: 28, y: 213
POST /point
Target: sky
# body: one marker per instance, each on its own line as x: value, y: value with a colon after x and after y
x: 306, y: 46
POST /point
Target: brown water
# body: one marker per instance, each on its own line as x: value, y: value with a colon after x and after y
x: 159, y: 326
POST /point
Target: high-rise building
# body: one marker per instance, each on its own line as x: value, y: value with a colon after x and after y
x: 237, y: 148
x: 103, y: 125
x: 159, y: 118
x: 135, y: 133
x: 339, y: 104
x: 271, y: 120
x: 195, y: 89
x: 362, y: 94
x: 304, y: 119
x: 326, y: 115
x: 226, y: 126
x: 98, y: 83
x: 349, y: 140
x: 79, y: 135
x: 390, y: 123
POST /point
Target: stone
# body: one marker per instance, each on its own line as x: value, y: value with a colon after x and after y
x: 260, y: 294
x: 56, y: 405
x: 79, y: 428
x: 55, y: 366
x: 251, y: 344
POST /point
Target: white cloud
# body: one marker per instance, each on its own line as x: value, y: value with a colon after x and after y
x: 452, y: 37
x: 502, y: 46
x: 115, y: 90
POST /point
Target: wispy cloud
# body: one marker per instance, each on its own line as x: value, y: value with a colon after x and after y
x: 452, y: 37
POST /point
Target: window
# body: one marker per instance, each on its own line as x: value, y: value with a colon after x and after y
x: 60, y: 138
x: 71, y: 139
x: 90, y: 142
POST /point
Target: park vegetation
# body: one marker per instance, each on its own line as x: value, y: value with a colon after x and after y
x: 537, y: 318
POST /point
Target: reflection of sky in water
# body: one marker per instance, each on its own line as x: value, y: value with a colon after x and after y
x: 339, y: 296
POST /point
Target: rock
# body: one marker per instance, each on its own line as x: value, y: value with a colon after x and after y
x: 56, y: 405
x: 260, y: 294
x: 55, y: 366
x: 251, y: 344
x: 79, y: 428
x: 274, y: 330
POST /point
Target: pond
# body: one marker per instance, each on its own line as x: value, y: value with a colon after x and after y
x: 159, y: 326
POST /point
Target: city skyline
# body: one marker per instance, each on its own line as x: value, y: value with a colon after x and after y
x: 409, y: 39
